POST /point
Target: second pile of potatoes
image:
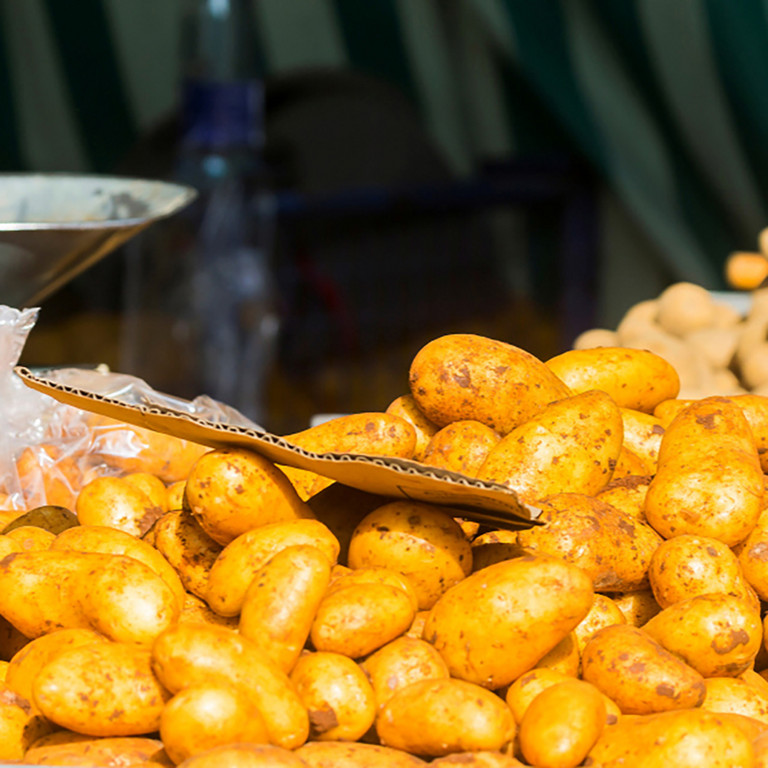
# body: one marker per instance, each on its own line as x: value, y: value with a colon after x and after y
x: 332, y: 624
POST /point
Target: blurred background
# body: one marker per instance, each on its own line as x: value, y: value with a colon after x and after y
x: 374, y: 174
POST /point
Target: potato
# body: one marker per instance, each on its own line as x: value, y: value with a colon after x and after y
x: 20, y: 725
x: 570, y: 446
x: 642, y: 434
x: 238, y: 563
x: 755, y: 410
x: 634, y: 378
x: 437, y: 717
x: 709, y: 481
x: 731, y: 694
x: 337, y: 695
x: 417, y: 539
x: 688, y: 738
x: 153, y: 487
x: 717, y: 634
x: 401, y: 662
x: 357, y: 619
x: 112, y: 541
x: 405, y: 407
x: 666, y: 411
x: 101, y: 689
x: 76, y: 749
x: 464, y: 376
x: 603, y: 613
x: 115, y: 595
x: 629, y: 464
x: 562, y: 724
x: 627, y: 494
x: 565, y: 657
x: 341, y: 508
x: 527, y: 687
x: 281, y: 602
x: 687, y: 566
x: 209, y: 715
x: 188, y: 654
x: 230, y: 491
x: 614, y: 549
x: 188, y: 548
x: 636, y: 672
x: 529, y: 603
x: 174, y: 495
x: 29, y: 660
x: 50, y: 518
x: 31, y: 538
x: 344, y: 754
x: 375, y: 576
x: 114, y: 502
x: 460, y: 446
x: 245, y: 756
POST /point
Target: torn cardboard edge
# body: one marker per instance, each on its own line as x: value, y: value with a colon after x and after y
x: 479, y: 500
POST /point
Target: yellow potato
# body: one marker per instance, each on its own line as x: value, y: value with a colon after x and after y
x: 405, y: 407
x: 733, y: 695
x: 627, y: 494
x: 230, y: 491
x: 752, y: 557
x: 357, y: 619
x: 529, y: 604
x: 337, y: 695
x: 634, y: 378
x: 636, y: 672
x: 642, y: 434
x: 569, y: 446
x: 238, y: 563
x: 282, y: 600
x: 565, y: 657
x: 603, y: 613
x: 20, y: 725
x: 437, y: 717
x: 687, y: 566
x: 187, y: 654
x: 460, y: 446
x: 209, y: 715
x: 153, y: 487
x: 29, y: 660
x: 375, y: 576
x: 112, y: 541
x: 245, y: 756
x: 420, y: 540
x: 717, y: 634
x: 709, y: 481
x: 174, y: 495
x: 562, y: 724
x: 637, y: 607
x: 527, y: 687
x: 188, y: 548
x: 101, y: 689
x: 629, y: 464
x: 345, y: 754
x: 464, y: 376
x: 689, y: 738
x: 31, y: 538
x: 76, y: 749
x: 401, y: 662
x: 613, y: 549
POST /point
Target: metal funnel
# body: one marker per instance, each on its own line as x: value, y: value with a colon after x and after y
x: 54, y: 226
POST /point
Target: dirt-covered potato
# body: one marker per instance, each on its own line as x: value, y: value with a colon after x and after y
x: 460, y: 446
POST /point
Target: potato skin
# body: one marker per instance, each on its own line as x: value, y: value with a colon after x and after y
x: 76, y: 749
x: 101, y: 689
x: 709, y: 481
x: 570, y: 445
x: 529, y: 603
x: 437, y: 717
x: 631, y: 668
x: 346, y: 754
x: 405, y: 407
x: 634, y: 378
x: 465, y: 376
x: 230, y: 491
x: 717, y: 634
x: 688, y: 738
x: 420, y: 540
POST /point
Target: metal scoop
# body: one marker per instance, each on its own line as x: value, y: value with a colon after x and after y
x: 54, y: 226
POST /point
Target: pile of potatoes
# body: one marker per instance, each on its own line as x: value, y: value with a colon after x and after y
x: 715, y: 349
x: 256, y: 615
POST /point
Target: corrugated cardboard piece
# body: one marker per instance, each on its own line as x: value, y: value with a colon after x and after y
x: 478, y: 500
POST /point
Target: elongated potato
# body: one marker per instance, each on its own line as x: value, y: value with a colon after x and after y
x: 238, y: 563
x: 634, y: 378
x: 437, y: 717
x: 613, y: 548
x: 337, y: 695
x: 460, y: 446
x: 464, y: 376
x: 636, y: 672
x: 231, y: 491
x: 187, y: 654
x: 529, y: 603
x: 709, y: 481
x: 733, y: 695
x: 245, y: 756
x: 31, y: 538
x: 345, y: 754
x: 717, y: 634
x: 375, y: 575
x: 64, y: 747
x: 420, y: 540
x: 569, y: 446
x: 280, y: 605
x: 101, y: 689
x: 688, y: 738
x: 405, y: 407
